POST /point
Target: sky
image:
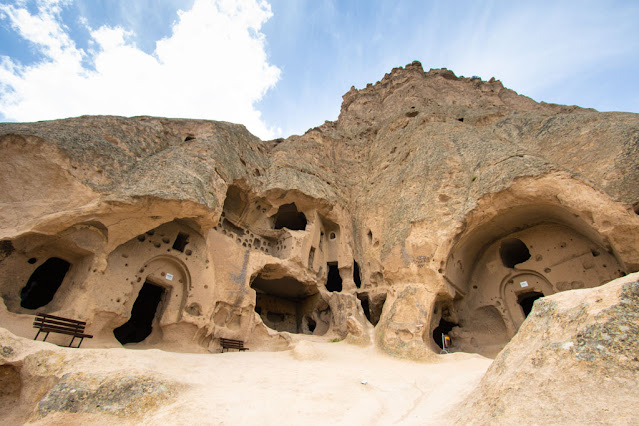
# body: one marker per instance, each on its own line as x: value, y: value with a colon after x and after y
x: 281, y: 67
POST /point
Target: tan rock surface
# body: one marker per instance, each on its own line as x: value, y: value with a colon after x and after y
x: 575, y: 360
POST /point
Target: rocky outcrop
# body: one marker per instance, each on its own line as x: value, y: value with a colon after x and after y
x: 434, y: 204
x: 41, y: 383
x: 573, y: 361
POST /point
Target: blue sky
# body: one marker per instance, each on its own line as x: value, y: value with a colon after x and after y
x: 281, y: 67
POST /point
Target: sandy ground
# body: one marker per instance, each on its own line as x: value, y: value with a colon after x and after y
x: 318, y: 382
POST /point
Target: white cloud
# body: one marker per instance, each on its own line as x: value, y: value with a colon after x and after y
x: 213, y: 66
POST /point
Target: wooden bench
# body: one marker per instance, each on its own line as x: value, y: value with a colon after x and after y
x: 46, y: 323
x: 232, y: 344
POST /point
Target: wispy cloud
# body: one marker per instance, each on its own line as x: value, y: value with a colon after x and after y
x: 212, y: 66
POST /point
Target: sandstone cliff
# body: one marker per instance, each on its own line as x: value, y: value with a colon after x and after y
x: 434, y: 204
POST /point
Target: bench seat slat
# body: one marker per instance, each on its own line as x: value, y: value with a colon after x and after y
x: 63, y: 331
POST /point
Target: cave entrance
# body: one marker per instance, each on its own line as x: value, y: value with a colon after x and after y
x: 181, y: 241
x: 363, y: 297
x: 286, y: 304
x: 144, y: 310
x: 513, y: 251
x: 444, y: 327
x: 288, y: 216
x: 526, y: 301
x: 357, y: 277
x: 334, y: 279
x: 372, y: 305
x: 43, y: 283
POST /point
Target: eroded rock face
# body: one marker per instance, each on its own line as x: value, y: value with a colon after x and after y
x: 572, y: 361
x: 422, y: 210
x: 40, y: 385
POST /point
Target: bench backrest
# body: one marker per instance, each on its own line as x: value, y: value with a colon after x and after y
x: 230, y: 343
x: 53, y: 322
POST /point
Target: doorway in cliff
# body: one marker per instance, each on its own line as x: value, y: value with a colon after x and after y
x: 526, y: 301
x: 444, y: 327
x: 288, y: 216
x: 144, y: 310
x: 43, y: 283
x: 334, y: 279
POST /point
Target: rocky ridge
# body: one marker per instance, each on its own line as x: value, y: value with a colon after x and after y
x: 405, y: 204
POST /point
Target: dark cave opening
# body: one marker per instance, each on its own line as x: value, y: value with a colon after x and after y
x: 181, y: 241
x: 311, y: 324
x: 526, y: 301
x: 513, y: 251
x: 288, y: 216
x: 284, y: 303
x: 43, y: 283
x: 357, y: 275
x: 444, y: 327
x: 140, y: 325
x: 334, y: 280
x: 363, y: 297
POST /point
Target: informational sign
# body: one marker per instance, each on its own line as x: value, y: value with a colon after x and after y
x: 523, y: 283
x: 169, y: 277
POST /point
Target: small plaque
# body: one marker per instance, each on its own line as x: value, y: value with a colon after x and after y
x: 169, y: 277
x: 523, y: 283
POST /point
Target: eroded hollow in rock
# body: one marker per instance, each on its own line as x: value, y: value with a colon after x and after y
x: 372, y: 305
x: 288, y: 216
x: 144, y: 310
x: 43, y: 283
x: 526, y: 300
x: 357, y: 277
x: 11, y: 385
x: 363, y: 297
x: 513, y: 251
x: 286, y: 304
x: 499, y: 269
x: 334, y: 279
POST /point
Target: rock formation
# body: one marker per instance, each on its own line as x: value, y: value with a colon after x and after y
x: 434, y: 204
x: 574, y: 361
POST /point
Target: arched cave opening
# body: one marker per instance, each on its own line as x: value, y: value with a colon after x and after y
x: 43, y: 283
x: 526, y: 301
x: 334, y: 279
x: 288, y: 216
x: 357, y: 277
x: 286, y: 304
x: 444, y: 327
x: 140, y: 325
x: 513, y: 251
x: 561, y: 252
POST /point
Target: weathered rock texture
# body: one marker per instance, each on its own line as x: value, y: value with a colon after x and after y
x: 434, y: 204
x: 574, y: 361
